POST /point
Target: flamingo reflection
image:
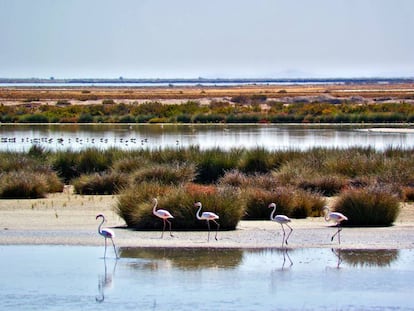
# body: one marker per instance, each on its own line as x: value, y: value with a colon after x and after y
x: 337, y: 253
x: 286, y: 255
x: 105, y: 282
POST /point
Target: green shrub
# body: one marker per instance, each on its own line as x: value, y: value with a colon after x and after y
x: 257, y: 160
x: 374, y: 206
x: 212, y: 164
x: 93, y: 160
x: 106, y: 183
x: 85, y: 118
x: 209, y: 118
x: 65, y: 163
x: 34, y: 118
x: 244, y: 118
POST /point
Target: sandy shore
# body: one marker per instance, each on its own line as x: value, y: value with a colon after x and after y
x: 68, y: 219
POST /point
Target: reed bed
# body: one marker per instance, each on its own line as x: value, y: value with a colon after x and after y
x: 296, y: 180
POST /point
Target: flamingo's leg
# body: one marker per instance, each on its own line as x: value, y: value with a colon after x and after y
x: 163, y: 228
x: 169, y: 222
x: 113, y: 244
x: 290, y: 232
x: 208, y: 225
x: 284, y: 234
x: 218, y: 227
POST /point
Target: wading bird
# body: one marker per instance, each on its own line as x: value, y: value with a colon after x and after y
x: 106, y: 233
x: 337, y: 218
x: 282, y: 220
x: 207, y: 216
x: 163, y: 214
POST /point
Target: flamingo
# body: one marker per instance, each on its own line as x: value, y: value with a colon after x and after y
x: 282, y: 220
x: 106, y: 233
x: 163, y: 214
x: 207, y: 216
x: 337, y: 218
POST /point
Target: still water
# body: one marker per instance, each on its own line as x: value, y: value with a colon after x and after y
x: 226, y: 136
x: 73, y: 277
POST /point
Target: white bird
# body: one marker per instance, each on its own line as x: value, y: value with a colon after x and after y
x: 337, y: 218
x: 163, y: 214
x: 106, y: 233
x: 207, y: 216
x: 282, y: 220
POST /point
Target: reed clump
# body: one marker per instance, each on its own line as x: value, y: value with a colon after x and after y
x: 135, y: 205
x: 23, y: 185
x: 174, y: 173
x: 100, y: 183
x: 372, y: 206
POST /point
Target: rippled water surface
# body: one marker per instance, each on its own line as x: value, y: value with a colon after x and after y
x: 226, y: 136
x: 71, y: 277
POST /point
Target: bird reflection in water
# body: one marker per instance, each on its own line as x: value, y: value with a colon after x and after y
x: 337, y: 253
x: 105, y: 281
x: 286, y: 255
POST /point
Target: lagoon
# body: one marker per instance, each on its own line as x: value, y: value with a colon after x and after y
x: 77, y: 277
x: 20, y: 137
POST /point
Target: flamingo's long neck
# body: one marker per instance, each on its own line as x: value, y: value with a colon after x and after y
x: 327, y: 218
x: 198, y: 212
x: 100, y: 225
x: 273, y: 212
x: 154, y: 209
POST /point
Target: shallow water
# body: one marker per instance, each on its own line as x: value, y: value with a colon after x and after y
x: 226, y: 136
x: 63, y: 277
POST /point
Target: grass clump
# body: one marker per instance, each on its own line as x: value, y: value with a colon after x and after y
x: 295, y: 203
x: 325, y: 185
x: 373, y: 206
x: 135, y: 205
x: 104, y: 183
x: 166, y: 173
x: 23, y: 185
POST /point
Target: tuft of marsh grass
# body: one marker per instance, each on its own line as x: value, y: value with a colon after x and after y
x: 295, y: 203
x: 106, y: 183
x: 135, y: 205
x: 327, y: 185
x: 22, y: 185
x: 372, y: 206
x: 174, y: 173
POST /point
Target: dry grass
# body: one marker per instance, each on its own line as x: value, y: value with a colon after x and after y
x: 82, y: 94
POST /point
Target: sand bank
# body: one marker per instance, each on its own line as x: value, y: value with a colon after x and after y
x: 68, y: 219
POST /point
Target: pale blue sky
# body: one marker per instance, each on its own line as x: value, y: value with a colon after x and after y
x: 211, y: 38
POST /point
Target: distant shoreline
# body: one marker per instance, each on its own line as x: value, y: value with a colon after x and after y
x: 202, y: 81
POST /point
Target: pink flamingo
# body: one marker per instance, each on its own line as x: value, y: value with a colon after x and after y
x: 282, y: 220
x: 163, y: 214
x: 337, y: 218
x: 207, y: 216
x: 106, y: 233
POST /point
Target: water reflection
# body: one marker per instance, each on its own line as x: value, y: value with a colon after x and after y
x: 65, y: 277
x: 369, y: 258
x: 184, y: 258
x: 226, y: 136
x: 105, y: 281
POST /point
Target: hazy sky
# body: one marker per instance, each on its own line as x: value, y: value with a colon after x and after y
x: 210, y: 38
